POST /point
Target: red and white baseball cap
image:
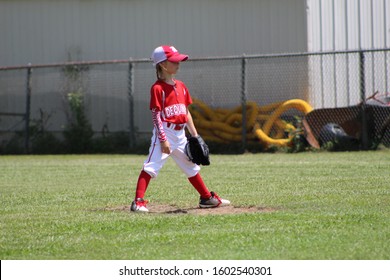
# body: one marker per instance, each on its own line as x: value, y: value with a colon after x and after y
x: 169, y: 53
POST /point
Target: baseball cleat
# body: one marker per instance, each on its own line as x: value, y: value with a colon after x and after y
x: 139, y: 205
x: 213, y: 201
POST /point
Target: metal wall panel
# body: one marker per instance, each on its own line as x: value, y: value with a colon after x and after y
x: 347, y: 25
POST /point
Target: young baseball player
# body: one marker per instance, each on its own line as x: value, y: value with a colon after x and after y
x: 169, y: 100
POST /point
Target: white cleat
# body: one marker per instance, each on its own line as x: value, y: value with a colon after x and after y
x: 213, y: 201
x: 139, y: 205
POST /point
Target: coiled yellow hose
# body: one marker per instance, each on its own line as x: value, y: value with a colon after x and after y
x: 263, y: 123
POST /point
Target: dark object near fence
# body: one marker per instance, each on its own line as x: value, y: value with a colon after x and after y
x: 366, y: 126
x: 339, y: 139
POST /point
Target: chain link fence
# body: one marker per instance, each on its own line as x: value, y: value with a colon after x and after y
x: 350, y: 89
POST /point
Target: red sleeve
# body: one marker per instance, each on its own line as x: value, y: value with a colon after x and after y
x: 155, y: 97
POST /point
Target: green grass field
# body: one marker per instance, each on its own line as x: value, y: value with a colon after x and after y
x: 325, y: 206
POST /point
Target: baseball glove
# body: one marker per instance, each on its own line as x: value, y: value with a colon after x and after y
x: 197, y: 151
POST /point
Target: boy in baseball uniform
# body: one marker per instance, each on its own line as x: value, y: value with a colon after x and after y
x: 169, y: 101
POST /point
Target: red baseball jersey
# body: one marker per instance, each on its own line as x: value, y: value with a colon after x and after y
x: 171, y: 100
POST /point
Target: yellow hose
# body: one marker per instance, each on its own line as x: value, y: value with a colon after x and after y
x: 268, y: 141
x: 287, y: 105
x: 223, y: 125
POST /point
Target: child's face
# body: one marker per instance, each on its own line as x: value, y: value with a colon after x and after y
x: 171, y: 67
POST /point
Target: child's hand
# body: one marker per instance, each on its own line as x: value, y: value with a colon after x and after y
x: 165, y: 147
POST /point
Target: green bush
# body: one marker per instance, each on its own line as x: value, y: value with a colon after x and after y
x: 78, y: 133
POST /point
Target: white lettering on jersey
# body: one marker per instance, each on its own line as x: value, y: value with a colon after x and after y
x: 175, y: 110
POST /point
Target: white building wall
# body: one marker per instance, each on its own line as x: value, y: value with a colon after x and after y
x: 45, y: 31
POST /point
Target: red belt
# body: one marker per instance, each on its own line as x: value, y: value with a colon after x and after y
x: 175, y: 126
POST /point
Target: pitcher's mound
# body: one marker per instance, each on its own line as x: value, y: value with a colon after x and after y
x: 170, y: 209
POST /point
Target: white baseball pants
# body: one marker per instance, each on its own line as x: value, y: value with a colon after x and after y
x: 156, y: 159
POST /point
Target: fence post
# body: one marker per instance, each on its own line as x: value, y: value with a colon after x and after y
x: 243, y: 98
x: 28, y: 110
x: 364, y: 136
x: 130, y: 89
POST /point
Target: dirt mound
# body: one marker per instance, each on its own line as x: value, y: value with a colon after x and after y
x: 170, y: 209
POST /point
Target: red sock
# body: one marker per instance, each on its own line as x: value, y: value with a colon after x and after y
x: 199, y: 185
x: 142, y: 184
